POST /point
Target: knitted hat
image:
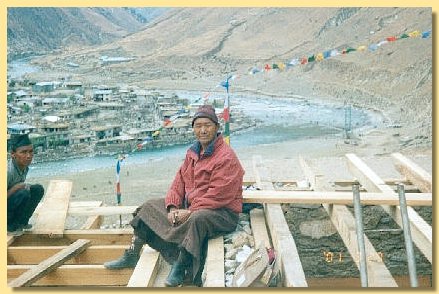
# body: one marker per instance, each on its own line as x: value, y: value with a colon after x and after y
x: 17, y: 141
x: 206, y: 111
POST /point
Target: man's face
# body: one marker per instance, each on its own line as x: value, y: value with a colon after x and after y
x: 205, y: 130
x: 23, y: 156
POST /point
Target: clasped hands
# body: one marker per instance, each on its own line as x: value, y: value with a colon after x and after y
x: 178, y: 216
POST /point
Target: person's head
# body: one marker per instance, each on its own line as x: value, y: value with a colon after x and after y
x: 22, y: 151
x: 205, y: 124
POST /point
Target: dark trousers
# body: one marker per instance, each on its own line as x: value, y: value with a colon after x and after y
x: 22, y: 204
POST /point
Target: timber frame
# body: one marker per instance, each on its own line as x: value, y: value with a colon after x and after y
x: 51, y: 255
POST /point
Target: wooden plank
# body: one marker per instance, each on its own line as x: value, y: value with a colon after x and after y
x: 104, y: 210
x: 53, y: 211
x: 283, y: 241
x: 48, y: 265
x: 97, y: 254
x: 345, y: 198
x: 421, y: 231
x: 413, y: 172
x: 259, y: 227
x: 214, y: 267
x: 162, y: 273
x: 10, y: 240
x: 94, y: 203
x: 76, y: 275
x: 96, y: 237
x: 146, y: 269
x: 92, y: 222
x: 97, y: 275
x: 344, y: 222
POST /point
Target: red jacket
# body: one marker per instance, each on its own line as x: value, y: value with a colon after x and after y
x: 212, y: 180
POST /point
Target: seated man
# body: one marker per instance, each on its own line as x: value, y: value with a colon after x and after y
x: 23, y: 198
x: 204, y: 201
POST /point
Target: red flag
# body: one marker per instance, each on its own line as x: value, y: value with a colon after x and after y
x: 391, y: 39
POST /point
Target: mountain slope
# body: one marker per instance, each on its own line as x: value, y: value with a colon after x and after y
x: 41, y: 30
x: 195, y: 48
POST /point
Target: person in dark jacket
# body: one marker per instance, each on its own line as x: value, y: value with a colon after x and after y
x: 23, y: 197
x: 204, y: 201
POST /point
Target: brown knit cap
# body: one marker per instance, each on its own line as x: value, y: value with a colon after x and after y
x: 206, y: 111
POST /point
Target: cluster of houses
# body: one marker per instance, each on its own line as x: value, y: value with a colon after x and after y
x: 68, y: 119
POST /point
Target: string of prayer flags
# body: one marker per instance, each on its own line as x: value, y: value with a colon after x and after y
x: 280, y: 66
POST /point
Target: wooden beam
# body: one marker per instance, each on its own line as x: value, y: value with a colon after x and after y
x: 96, y: 237
x: 259, y: 227
x: 345, y: 198
x: 93, y: 221
x: 344, y: 222
x: 413, y: 172
x: 96, y: 254
x: 76, y: 275
x: 97, y: 275
x: 215, y: 263
x: 420, y: 229
x: 10, y: 240
x: 48, y: 265
x: 104, y: 210
x: 283, y: 241
x: 53, y: 211
x: 146, y: 269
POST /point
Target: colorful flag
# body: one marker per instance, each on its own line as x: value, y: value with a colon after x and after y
x: 391, y: 39
x: 294, y: 62
x: 373, y: 47
x: 414, y: 34
x: 226, y: 112
x: 334, y: 52
x: 426, y: 34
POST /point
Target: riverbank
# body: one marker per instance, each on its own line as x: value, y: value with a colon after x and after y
x: 152, y: 179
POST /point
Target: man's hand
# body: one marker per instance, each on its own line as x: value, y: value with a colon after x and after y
x: 171, y: 215
x: 178, y: 216
x: 16, y: 187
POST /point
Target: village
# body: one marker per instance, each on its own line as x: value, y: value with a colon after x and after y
x: 67, y: 119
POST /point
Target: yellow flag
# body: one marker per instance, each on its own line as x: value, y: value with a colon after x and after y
x: 414, y: 34
x: 281, y: 66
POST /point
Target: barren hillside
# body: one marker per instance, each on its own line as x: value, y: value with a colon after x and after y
x: 195, y: 48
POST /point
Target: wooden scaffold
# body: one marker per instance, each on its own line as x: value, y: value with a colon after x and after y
x: 51, y: 255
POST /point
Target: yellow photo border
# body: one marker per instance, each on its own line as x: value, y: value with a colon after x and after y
x: 189, y: 3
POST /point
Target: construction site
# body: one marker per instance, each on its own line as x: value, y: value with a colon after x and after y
x: 52, y: 255
x: 331, y: 120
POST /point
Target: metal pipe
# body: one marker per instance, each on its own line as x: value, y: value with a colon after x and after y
x: 407, y: 236
x: 360, y: 234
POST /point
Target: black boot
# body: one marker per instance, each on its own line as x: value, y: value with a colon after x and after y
x: 129, y: 258
x: 178, y: 271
